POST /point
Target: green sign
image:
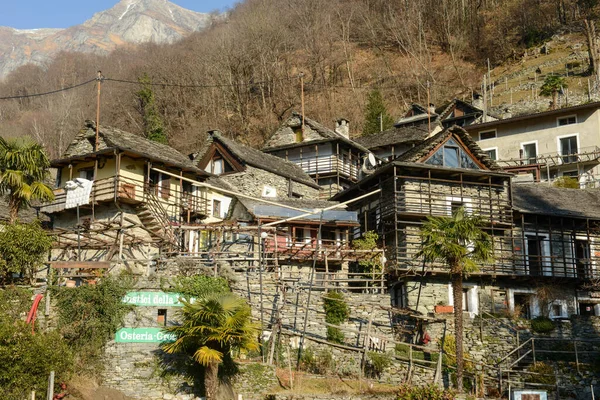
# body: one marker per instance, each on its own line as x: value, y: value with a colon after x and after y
x: 153, y: 299
x: 143, y: 335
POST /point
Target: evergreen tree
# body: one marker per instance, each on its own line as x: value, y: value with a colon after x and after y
x: 154, y: 128
x: 376, y: 116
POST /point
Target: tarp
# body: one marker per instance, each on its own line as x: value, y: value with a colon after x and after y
x: 78, y: 192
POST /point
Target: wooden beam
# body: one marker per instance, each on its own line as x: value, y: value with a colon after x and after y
x: 80, y: 264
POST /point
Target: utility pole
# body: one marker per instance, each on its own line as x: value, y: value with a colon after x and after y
x: 99, y: 79
x: 428, y: 110
x: 302, y: 98
x: 380, y: 122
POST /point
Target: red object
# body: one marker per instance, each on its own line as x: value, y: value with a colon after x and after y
x: 426, y: 338
x: 444, y: 309
x: 33, y: 311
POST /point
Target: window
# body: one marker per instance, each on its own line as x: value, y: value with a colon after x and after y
x: 465, y: 300
x: 487, y: 135
x: 87, y: 174
x: 299, y: 235
x: 217, y: 166
x: 217, y: 208
x: 455, y: 206
x: 529, y: 152
x: 567, y: 147
x: 299, y: 135
x: 452, y: 156
x: 571, y: 119
x: 492, y: 153
x: 161, y: 317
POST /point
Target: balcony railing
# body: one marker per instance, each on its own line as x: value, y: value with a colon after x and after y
x: 330, y: 165
x: 134, y: 191
x: 554, y: 159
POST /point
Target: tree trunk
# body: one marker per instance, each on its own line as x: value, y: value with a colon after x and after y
x: 457, y: 293
x: 13, y: 206
x: 590, y: 35
x: 554, y: 100
x: 211, y: 380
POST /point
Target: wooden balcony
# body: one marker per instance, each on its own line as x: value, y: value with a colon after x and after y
x: 330, y: 165
x: 132, y: 191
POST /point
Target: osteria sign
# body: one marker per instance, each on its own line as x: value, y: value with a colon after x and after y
x: 143, y: 335
x: 153, y: 299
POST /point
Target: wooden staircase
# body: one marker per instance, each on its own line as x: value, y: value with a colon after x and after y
x: 155, y: 219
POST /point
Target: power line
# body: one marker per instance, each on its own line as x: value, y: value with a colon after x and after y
x: 24, y: 96
x: 195, y: 86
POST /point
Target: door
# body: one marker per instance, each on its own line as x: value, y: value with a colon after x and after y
x: 521, y: 304
x: 534, y: 255
x: 165, y: 186
x: 586, y: 309
x: 582, y: 258
x: 568, y: 146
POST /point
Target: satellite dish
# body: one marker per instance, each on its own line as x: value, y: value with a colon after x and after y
x: 372, y: 160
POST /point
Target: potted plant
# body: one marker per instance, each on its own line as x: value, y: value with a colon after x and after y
x: 443, y: 308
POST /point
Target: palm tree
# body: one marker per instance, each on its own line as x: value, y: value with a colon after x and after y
x: 212, y: 327
x: 23, y: 170
x: 460, y: 243
x: 552, y: 85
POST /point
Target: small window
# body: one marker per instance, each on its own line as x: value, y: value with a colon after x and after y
x: 217, y: 166
x: 492, y: 154
x: 161, y: 317
x: 465, y: 302
x: 299, y: 236
x: 87, y: 174
x: 556, y: 310
x: 487, y: 135
x: 572, y: 119
x: 530, y: 153
x: 299, y: 135
x: 217, y: 208
x: 451, y: 158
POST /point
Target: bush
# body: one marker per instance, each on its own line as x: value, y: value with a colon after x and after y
x: 89, y: 316
x: 567, y: 182
x: 378, y: 362
x: 14, y: 303
x: 23, y: 248
x: 27, y: 359
x: 336, y: 312
x: 432, y: 392
x: 542, y: 325
x: 547, y: 371
x: 198, y: 285
x: 320, y: 363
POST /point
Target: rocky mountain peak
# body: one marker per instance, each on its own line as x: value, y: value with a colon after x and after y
x: 129, y: 21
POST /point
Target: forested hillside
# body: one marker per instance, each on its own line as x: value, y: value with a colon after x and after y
x: 241, y: 76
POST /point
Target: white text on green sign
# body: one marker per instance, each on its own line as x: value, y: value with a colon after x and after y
x: 153, y: 299
x: 143, y: 335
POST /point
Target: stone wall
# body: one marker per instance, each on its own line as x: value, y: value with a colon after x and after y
x: 252, y: 181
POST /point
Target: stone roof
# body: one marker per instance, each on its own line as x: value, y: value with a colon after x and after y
x: 544, y: 200
x: 313, y: 132
x: 259, y: 209
x: 256, y: 158
x: 395, y: 135
x: 113, y: 138
x: 416, y: 153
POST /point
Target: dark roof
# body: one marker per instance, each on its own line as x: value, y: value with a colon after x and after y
x: 524, y: 117
x: 425, y: 147
x: 258, y: 159
x: 113, y: 138
x: 325, y: 133
x: 267, y: 211
x: 544, y: 200
x: 395, y: 135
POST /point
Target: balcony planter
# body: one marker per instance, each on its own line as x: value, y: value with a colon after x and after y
x: 439, y: 309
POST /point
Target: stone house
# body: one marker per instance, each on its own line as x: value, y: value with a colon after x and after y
x: 534, y: 246
x: 548, y: 144
x: 329, y: 156
x: 138, y: 191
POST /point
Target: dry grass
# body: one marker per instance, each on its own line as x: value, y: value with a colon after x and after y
x: 314, y: 384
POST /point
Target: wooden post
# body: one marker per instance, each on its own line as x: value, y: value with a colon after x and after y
x: 366, y: 342
x: 50, y: 393
x: 533, y: 348
x: 289, y: 357
x: 302, y: 100
x: 99, y: 80
x: 33, y: 395
x: 576, y: 355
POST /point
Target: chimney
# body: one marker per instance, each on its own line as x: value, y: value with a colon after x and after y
x: 342, y: 127
x: 477, y: 101
x: 506, y: 113
x: 431, y: 109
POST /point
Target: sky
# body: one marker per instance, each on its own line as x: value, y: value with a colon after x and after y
x: 31, y: 14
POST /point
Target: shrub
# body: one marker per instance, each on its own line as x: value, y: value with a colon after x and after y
x: 89, y: 316
x: 567, y: 182
x: 379, y: 362
x: 432, y: 392
x: 23, y: 248
x: 320, y: 363
x: 27, y: 359
x: 542, y: 325
x: 14, y: 303
x: 547, y: 376
x: 336, y: 312
x: 198, y: 285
